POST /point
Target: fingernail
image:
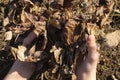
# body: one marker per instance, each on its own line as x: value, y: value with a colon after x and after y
x: 91, y: 37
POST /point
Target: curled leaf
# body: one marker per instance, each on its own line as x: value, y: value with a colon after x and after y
x: 21, y: 53
x: 70, y: 27
x: 8, y: 35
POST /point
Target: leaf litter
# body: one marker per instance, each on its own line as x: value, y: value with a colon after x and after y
x: 53, y: 32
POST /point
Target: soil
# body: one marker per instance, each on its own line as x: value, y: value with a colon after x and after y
x: 109, y: 63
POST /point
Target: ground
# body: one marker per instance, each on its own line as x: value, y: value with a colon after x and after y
x: 109, y: 64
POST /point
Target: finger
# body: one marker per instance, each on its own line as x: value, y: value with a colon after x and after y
x: 91, y: 44
x: 93, y: 55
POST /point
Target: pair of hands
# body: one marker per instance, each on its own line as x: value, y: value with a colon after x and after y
x: 85, y: 71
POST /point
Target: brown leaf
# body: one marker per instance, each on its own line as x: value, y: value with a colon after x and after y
x: 57, y: 52
x: 110, y: 7
x: 60, y: 2
x: 100, y: 11
x: 24, y: 18
x: 8, y: 35
x: 92, y: 28
x: 56, y: 68
x: 21, y: 53
x: 6, y: 21
x: 40, y: 28
x: 29, y: 2
x: 70, y: 27
x: 14, y: 52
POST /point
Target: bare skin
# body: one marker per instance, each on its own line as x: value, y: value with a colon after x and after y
x: 20, y: 71
x: 85, y: 71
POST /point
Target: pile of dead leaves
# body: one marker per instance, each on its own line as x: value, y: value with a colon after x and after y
x: 52, y: 32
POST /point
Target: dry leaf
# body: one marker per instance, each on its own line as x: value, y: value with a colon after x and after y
x: 58, y: 27
x: 110, y: 7
x: 70, y: 27
x: 60, y: 2
x: 6, y: 21
x: 92, y: 29
x: 100, y: 11
x: 57, y: 52
x: 8, y: 35
x: 24, y: 17
x: 14, y: 52
x: 21, y: 53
